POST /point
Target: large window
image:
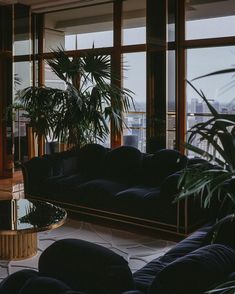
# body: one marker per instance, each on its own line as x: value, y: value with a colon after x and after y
x: 92, y: 26
x: 207, y: 45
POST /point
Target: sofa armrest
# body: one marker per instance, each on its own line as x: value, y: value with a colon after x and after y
x: 169, y: 187
x: 35, y: 171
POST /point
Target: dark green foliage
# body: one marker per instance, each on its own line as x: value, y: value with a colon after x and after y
x: 225, y: 288
x: 218, y: 132
x: 82, y: 112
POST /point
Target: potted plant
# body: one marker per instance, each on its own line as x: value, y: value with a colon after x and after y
x: 219, y: 134
x: 81, y: 113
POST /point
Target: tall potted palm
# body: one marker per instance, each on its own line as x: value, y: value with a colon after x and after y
x: 81, y: 112
x: 219, y: 134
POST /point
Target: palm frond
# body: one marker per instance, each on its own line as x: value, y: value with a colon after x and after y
x: 224, y: 288
x: 82, y: 112
x: 201, y: 94
x: 209, y: 182
x: 219, y: 72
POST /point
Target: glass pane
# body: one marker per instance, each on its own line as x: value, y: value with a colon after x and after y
x: 171, y: 140
x: 191, y: 121
x: 53, y: 39
x: 134, y: 22
x: 171, y: 103
x: 80, y: 28
x: 22, y: 79
x: 171, y: 20
x: 22, y: 40
x: 96, y: 39
x: 135, y: 80
x: 22, y: 75
x: 51, y: 79
x: 210, y: 19
x: 70, y: 42
x: 171, y: 80
x: 218, y: 89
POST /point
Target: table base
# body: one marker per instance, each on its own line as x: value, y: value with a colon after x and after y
x: 19, y: 246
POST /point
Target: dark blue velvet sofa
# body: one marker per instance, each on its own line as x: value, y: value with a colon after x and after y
x: 122, y: 185
x: 194, y: 265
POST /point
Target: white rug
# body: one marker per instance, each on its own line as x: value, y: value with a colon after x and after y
x: 136, y: 249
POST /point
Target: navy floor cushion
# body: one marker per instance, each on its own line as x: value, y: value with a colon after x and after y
x: 13, y: 283
x: 86, y: 267
x: 41, y: 285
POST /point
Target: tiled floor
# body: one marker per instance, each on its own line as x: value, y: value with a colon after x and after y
x: 13, y: 187
x: 137, y: 249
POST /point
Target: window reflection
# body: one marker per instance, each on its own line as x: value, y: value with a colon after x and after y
x: 80, y: 28
x: 135, y: 80
x: 210, y: 19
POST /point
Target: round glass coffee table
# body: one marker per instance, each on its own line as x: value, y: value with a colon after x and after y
x: 20, y: 221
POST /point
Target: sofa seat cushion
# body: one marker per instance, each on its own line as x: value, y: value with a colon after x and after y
x: 143, y: 202
x: 61, y: 187
x: 195, y: 272
x: 98, y: 193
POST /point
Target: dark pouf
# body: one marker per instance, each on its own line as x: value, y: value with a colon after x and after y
x: 86, y: 267
x: 41, y: 285
x: 14, y: 283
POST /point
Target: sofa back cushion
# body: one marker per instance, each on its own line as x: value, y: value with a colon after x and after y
x: 124, y: 163
x: 55, y: 163
x: 158, y: 166
x: 35, y: 171
x: 91, y: 160
x: 196, y: 272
